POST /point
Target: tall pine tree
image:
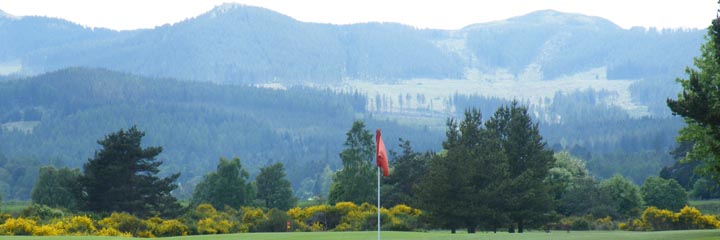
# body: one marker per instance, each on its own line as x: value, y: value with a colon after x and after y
x: 122, y: 177
x: 529, y: 195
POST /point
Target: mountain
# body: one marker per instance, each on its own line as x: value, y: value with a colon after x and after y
x: 243, y: 44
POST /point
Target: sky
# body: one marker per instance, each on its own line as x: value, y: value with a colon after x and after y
x: 442, y: 14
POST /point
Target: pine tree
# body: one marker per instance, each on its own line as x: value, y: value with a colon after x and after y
x: 122, y: 177
x: 529, y: 196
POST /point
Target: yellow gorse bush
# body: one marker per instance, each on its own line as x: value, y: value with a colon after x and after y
x: 18, y: 226
x: 81, y: 225
x: 205, y: 219
x: 112, y: 232
x: 654, y: 219
x: 47, y: 230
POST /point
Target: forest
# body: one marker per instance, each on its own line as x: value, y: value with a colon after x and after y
x: 55, y: 119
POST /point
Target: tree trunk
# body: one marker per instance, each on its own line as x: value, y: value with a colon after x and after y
x: 511, y: 229
x: 470, y: 228
x: 520, y: 226
x: 452, y: 230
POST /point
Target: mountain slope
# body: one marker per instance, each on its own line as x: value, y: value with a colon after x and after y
x: 56, y: 118
x: 243, y: 44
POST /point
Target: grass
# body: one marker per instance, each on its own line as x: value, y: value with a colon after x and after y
x: 14, y: 207
x: 707, y: 206
x: 591, y: 235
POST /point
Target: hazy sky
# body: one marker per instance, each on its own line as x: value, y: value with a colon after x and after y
x: 444, y: 14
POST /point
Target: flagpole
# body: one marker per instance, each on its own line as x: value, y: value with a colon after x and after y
x: 378, y: 205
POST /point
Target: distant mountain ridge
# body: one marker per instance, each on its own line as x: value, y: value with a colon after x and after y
x: 243, y: 44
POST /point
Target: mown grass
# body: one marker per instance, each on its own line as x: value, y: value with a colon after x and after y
x: 577, y: 235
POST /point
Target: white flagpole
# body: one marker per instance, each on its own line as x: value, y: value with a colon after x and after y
x: 378, y: 205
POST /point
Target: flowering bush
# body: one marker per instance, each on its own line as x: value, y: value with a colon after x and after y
x: 654, y: 219
x: 18, y: 226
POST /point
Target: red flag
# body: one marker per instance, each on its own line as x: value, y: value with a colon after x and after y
x: 382, y: 159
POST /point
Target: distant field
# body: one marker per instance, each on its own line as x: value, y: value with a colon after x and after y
x: 707, y: 206
x: 13, y: 207
x: 592, y: 235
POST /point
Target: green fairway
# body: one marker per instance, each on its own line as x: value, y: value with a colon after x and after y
x: 591, y: 235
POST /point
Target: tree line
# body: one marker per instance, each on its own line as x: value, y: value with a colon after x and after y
x: 123, y: 177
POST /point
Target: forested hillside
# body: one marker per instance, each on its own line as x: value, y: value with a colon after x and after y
x: 56, y: 119
x: 243, y: 44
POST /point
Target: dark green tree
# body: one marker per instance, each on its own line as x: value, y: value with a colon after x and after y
x: 227, y: 186
x: 356, y: 182
x: 664, y: 194
x: 407, y: 170
x: 57, y: 188
x: 699, y: 105
x: 461, y: 187
x: 273, y: 189
x: 122, y: 177
x: 530, y: 197
x: 622, y: 195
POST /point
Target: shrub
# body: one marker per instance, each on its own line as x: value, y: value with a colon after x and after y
x: 213, y: 226
x: 252, y: 218
x: 345, y: 207
x: 42, y: 212
x: 687, y: 218
x: 124, y: 222
x: 658, y: 219
x: 605, y: 223
x: 276, y: 221
x: 18, y: 226
x: 81, y: 225
x: 171, y: 228
x: 654, y: 219
x: 47, y: 230
x: 112, y: 232
x: 404, y: 209
x: 206, y: 210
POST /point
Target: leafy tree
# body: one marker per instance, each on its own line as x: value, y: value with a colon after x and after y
x: 622, y: 195
x: 122, y: 177
x: 705, y: 189
x: 575, y: 190
x: 699, y: 105
x: 356, y: 182
x: 530, y: 197
x: 664, y: 194
x: 580, y: 197
x: 565, y: 170
x: 57, y: 187
x: 226, y: 186
x: 273, y: 189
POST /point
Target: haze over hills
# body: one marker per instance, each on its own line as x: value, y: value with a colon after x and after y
x: 243, y: 44
x: 597, y: 90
